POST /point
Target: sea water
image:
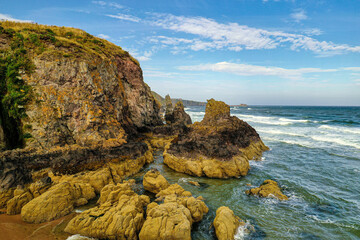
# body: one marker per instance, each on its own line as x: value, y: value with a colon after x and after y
x: 314, y: 156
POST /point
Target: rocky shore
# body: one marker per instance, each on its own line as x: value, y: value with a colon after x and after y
x: 88, y: 124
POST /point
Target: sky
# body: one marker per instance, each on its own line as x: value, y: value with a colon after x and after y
x: 258, y: 52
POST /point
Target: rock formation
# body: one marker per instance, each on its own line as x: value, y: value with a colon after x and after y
x: 154, y: 182
x: 226, y: 223
x: 217, y: 147
x: 120, y: 215
x: 268, y: 188
x: 173, y: 218
x: 59, y: 201
x: 86, y: 102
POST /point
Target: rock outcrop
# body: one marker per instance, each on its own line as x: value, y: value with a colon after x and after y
x: 119, y: 216
x: 268, y: 188
x: 173, y: 218
x: 154, y: 182
x: 21, y: 197
x: 220, y: 146
x: 88, y: 102
x: 59, y: 201
x: 226, y: 223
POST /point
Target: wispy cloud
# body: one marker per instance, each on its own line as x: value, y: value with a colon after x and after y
x: 232, y: 36
x: 110, y: 4
x: 104, y: 36
x: 299, y: 15
x: 255, y: 70
x: 125, y: 17
x: 6, y: 17
x: 312, y: 32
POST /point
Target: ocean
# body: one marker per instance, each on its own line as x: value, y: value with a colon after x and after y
x: 314, y: 156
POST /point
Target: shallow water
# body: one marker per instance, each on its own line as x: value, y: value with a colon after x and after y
x: 314, y: 156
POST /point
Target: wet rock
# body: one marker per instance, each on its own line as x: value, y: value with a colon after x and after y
x: 154, y: 182
x: 220, y: 146
x: 226, y: 223
x: 268, y: 188
x: 119, y: 216
x: 58, y: 201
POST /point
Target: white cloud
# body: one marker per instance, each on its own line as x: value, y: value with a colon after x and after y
x: 255, y: 70
x: 299, y: 15
x: 125, y: 17
x: 312, y: 32
x: 104, y: 36
x: 6, y: 17
x: 232, y: 36
x: 110, y: 4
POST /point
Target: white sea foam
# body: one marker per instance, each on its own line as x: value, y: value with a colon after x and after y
x: 79, y: 237
x: 78, y: 210
x: 341, y: 129
x: 249, y: 108
x: 243, y: 230
x: 262, y: 120
x: 277, y: 132
x: 336, y: 140
x: 293, y: 120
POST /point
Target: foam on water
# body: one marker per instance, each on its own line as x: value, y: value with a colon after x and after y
x: 79, y: 237
x: 242, y: 231
x: 341, y: 129
x: 278, y: 132
x: 336, y: 140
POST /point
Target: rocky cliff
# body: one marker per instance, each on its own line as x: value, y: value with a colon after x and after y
x: 72, y: 89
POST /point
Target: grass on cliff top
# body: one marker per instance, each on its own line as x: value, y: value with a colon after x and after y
x: 42, y: 40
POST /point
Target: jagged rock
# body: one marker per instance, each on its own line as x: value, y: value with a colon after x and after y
x: 167, y: 221
x: 87, y: 106
x: 119, y: 216
x: 39, y: 187
x: 226, y: 223
x: 154, y: 182
x: 173, y: 218
x: 220, y: 146
x: 268, y: 188
x: 168, y: 110
x: 5, y: 196
x: 15, y: 204
x: 178, y: 115
x: 58, y: 201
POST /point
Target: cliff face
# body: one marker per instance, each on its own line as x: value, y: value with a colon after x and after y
x: 85, y: 90
x: 71, y: 101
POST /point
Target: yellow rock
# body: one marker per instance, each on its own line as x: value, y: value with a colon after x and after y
x: 58, y: 201
x: 15, y: 204
x: 268, y: 188
x: 5, y: 196
x: 154, y: 182
x: 119, y: 216
x: 194, y: 183
x: 226, y: 223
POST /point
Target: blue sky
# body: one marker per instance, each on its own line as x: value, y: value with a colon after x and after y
x: 263, y: 52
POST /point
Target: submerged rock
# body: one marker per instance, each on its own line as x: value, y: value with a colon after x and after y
x: 217, y: 147
x: 59, y: 201
x: 154, y: 182
x: 268, y: 188
x: 119, y: 216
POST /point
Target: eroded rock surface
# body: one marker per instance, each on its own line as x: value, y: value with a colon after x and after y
x: 58, y: 201
x: 268, y: 188
x: 220, y: 146
x: 173, y: 218
x: 226, y: 223
x: 154, y: 182
x: 119, y: 216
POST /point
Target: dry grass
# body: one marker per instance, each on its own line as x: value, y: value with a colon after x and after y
x: 68, y: 40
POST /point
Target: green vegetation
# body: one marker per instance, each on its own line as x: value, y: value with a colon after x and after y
x: 14, y: 93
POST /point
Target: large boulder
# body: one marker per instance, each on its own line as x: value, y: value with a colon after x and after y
x: 269, y: 189
x: 154, y: 182
x: 120, y: 215
x: 226, y: 223
x: 220, y: 146
x: 58, y: 201
x: 173, y: 218
x: 15, y: 204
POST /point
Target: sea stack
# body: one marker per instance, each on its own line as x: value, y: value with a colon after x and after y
x: 220, y: 146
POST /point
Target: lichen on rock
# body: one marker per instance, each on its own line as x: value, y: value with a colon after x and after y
x: 220, y: 146
x: 268, y: 188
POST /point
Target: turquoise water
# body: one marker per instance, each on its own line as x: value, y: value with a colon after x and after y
x: 315, y: 157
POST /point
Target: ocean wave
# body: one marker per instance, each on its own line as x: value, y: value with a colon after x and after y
x: 277, y: 132
x: 299, y: 143
x: 341, y: 129
x: 336, y: 140
x: 270, y: 120
x: 294, y: 120
x: 249, y: 108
